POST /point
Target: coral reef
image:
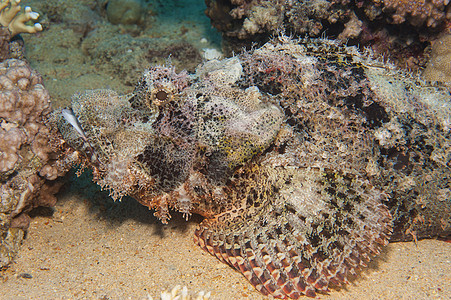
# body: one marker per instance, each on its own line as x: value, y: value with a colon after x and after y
x: 303, y: 156
x: 242, y: 19
x: 28, y: 166
x: 439, y: 66
x: 416, y: 12
x: 395, y: 28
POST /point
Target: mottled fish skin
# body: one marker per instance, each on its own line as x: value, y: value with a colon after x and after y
x: 303, y: 156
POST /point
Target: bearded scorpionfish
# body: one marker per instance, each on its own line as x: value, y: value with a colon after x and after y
x: 304, y: 157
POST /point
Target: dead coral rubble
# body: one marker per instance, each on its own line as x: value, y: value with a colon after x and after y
x: 27, y: 165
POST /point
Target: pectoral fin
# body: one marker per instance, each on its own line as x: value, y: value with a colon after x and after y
x: 310, y: 230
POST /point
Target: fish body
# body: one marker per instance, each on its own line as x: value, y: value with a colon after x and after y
x: 304, y: 157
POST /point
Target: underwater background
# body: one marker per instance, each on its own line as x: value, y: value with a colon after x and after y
x: 88, y: 246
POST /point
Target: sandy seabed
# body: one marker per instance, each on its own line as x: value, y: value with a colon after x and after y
x: 89, y: 247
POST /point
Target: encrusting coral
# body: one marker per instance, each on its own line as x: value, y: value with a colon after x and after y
x: 303, y: 156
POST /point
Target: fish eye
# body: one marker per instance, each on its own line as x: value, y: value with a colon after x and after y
x: 161, y: 95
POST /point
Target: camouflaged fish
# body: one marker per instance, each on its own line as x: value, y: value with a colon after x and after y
x: 304, y: 157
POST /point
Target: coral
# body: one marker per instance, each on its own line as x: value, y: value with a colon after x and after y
x: 245, y: 18
x: 12, y: 23
x: 304, y: 157
x: 15, y: 21
x: 416, y: 12
x: 396, y: 28
x: 352, y: 28
x: 125, y: 11
x: 439, y: 66
x: 28, y: 168
x: 260, y: 18
x: 251, y: 17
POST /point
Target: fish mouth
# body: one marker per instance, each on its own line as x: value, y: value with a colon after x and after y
x: 71, y: 118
